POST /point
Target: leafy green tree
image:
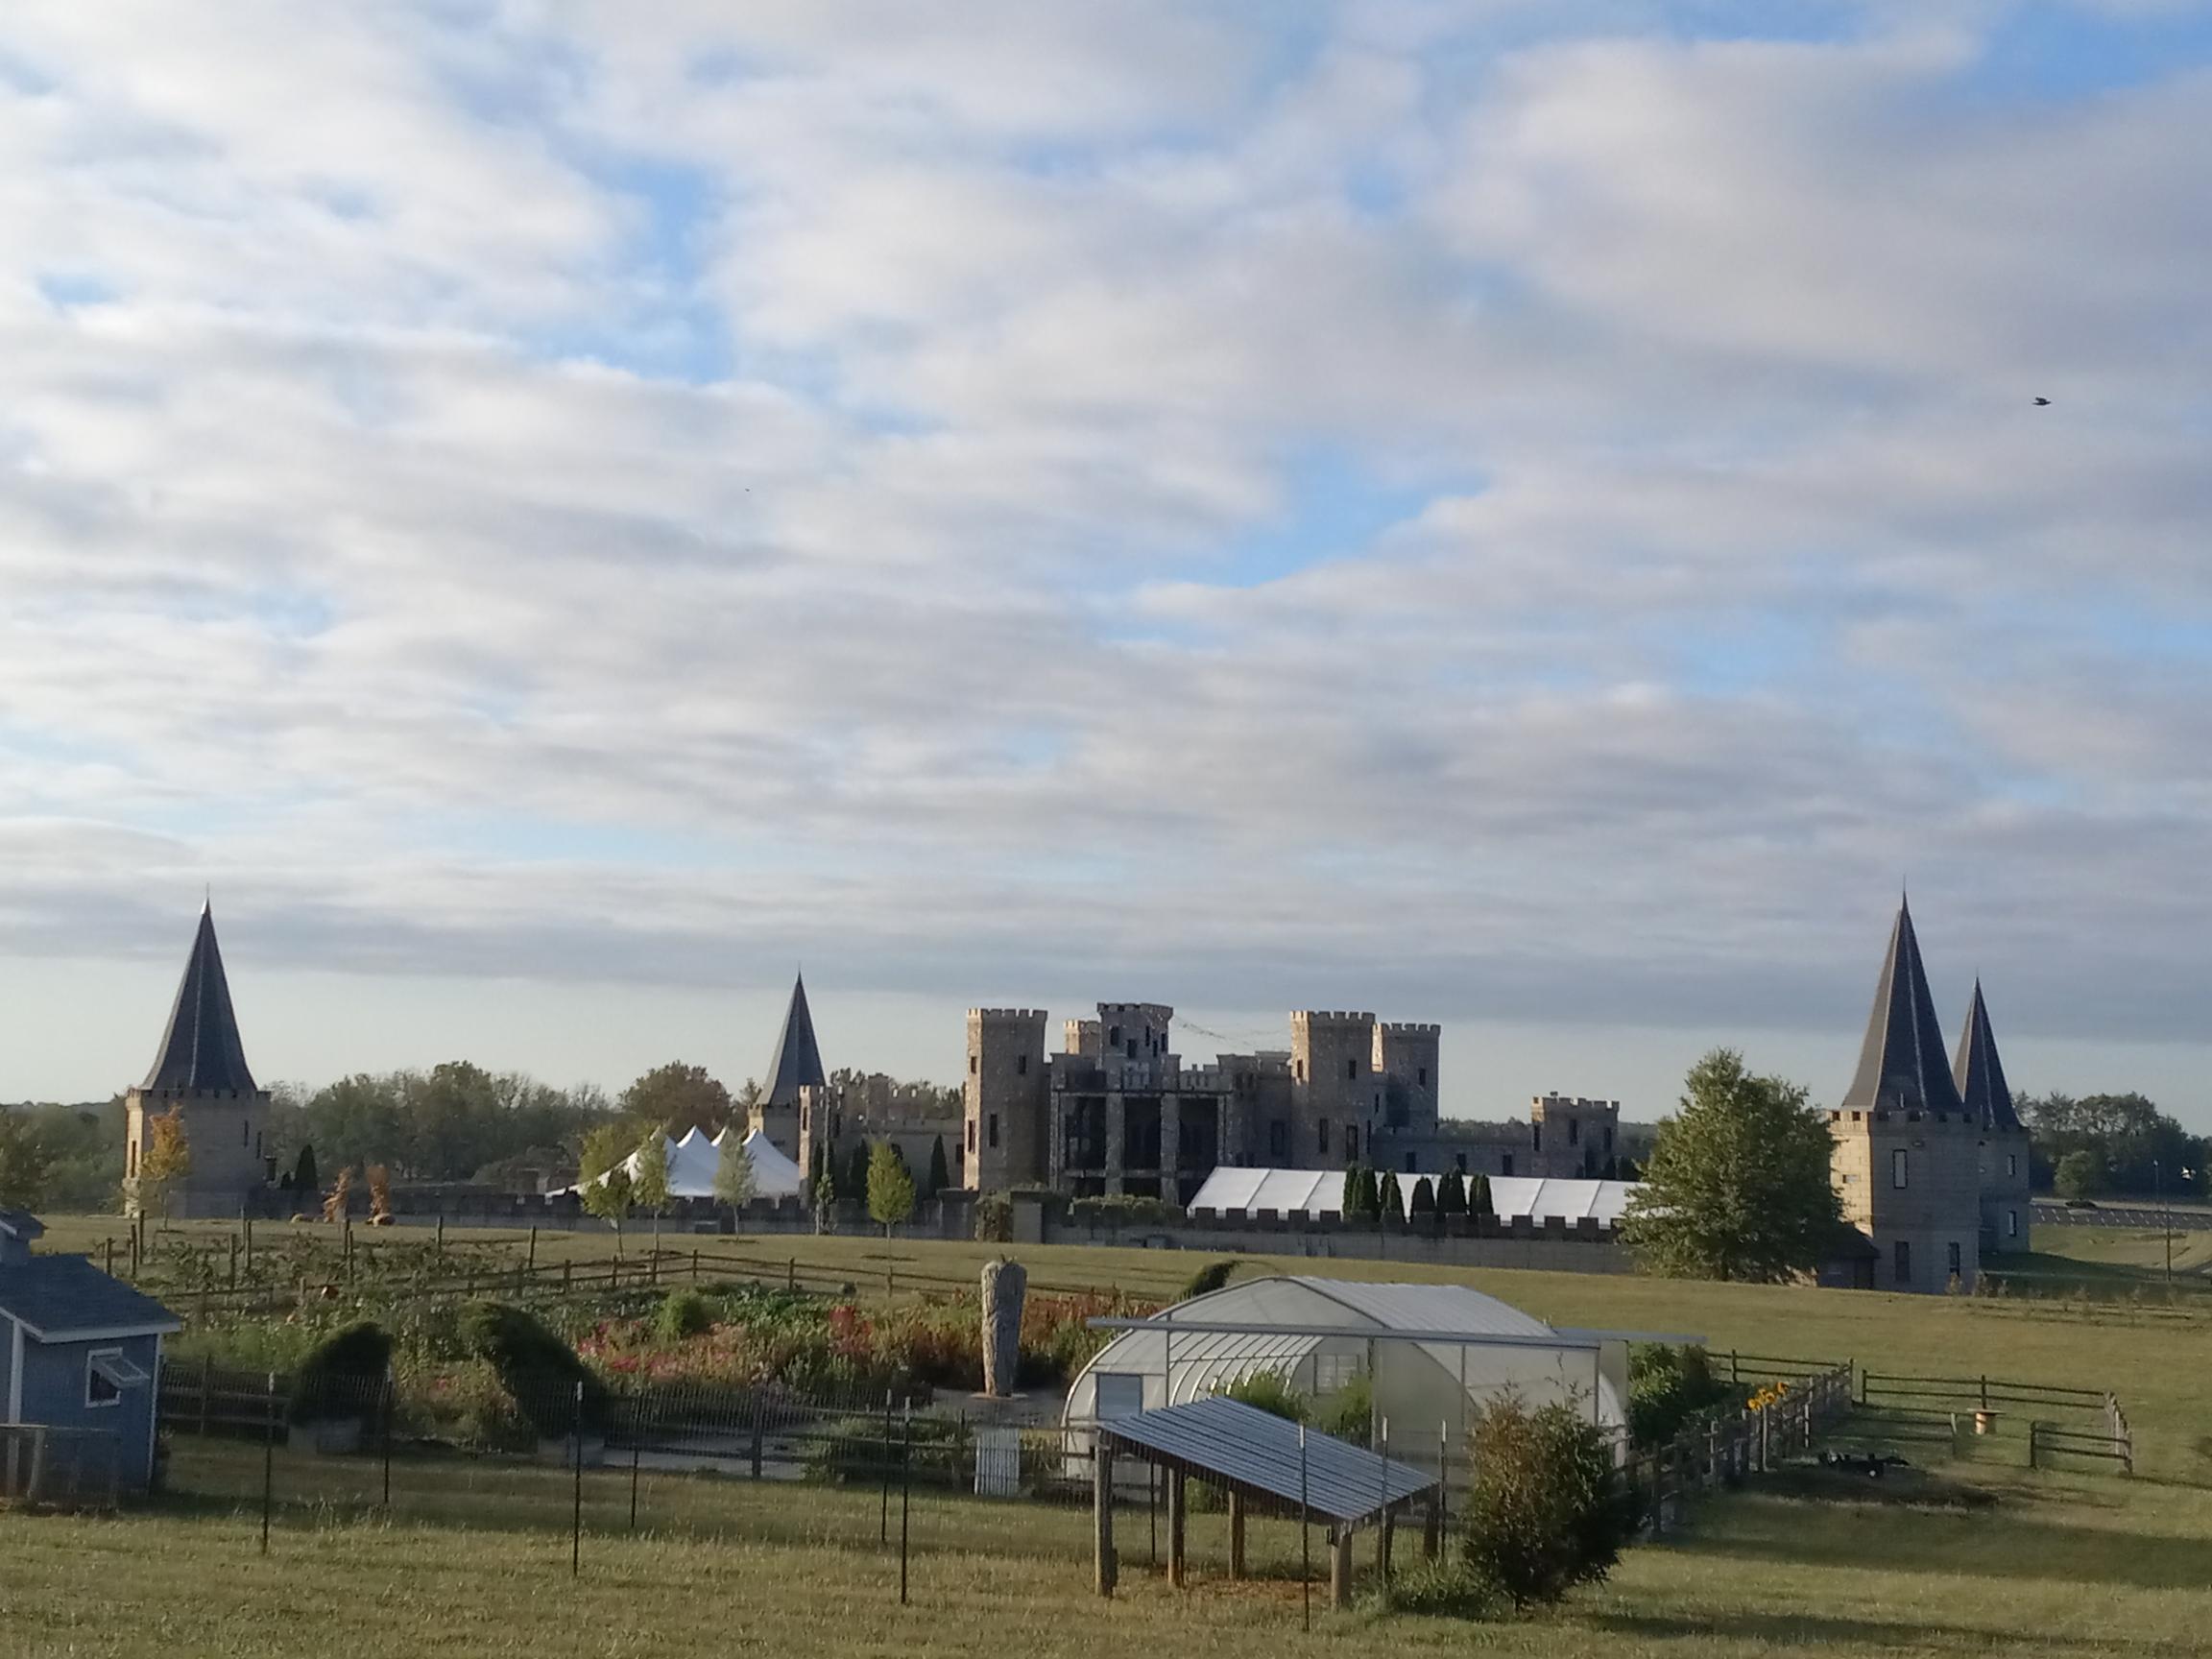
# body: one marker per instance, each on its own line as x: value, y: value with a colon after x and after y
x: 734, y: 1182
x: 1390, y: 1202
x: 824, y: 1201
x: 678, y: 1097
x: 1738, y: 1186
x: 2139, y: 1149
x: 25, y: 1165
x: 939, y: 1172
x: 890, y: 1187
x: 649, y: 1185
x: 2081, y: 1174
x: 1452, y: 1194
x: 605, y: 1186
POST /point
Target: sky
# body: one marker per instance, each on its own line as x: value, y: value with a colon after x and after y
x: 1531, y: 515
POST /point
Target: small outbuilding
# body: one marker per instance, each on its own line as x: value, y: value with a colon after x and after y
x: 83, y: 1353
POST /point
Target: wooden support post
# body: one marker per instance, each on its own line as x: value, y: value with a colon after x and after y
x: 1102, y: 1518
x: 1235, y: 1533
x: 1178, y: 1507
x: 1340, y: 1567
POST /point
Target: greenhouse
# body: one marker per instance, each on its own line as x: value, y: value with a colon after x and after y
x: 1428, y: 1357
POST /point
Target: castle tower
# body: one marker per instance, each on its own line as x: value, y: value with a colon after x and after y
x: 1004, y: 1099
x: 1405, y: 1054
x: 795, y: 1066
x: 1980, y: 1075
x: 1906, y: 1153
x: 201, y: 1075
x: 1573, y: 1137
x: 1333, y: 1086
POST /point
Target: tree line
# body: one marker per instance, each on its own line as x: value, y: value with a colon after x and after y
x: 2098, y: 1143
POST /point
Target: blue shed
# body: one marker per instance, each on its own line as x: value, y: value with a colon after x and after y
x: 84, y: 1353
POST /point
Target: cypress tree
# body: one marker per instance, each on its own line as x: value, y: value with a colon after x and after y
x: 1370, y: 1197
x: 1424, y: 1200
x: 304, y: 1176
x: 1391, y: 1203
x: 855, y: 1185
x: 1351, y: 1206
x: 940, y: 1175
x: 1479, y: 1198
x: 1452, y: 1194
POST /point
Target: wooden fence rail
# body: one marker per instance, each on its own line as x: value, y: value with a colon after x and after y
x: 1722, y: 1450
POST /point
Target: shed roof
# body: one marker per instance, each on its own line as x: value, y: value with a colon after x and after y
x: 65, y: 1298
x: 20, y: 1224
x: 1259, y: 1452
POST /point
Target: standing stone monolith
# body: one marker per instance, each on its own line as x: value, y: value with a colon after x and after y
x: 1005, y: 1286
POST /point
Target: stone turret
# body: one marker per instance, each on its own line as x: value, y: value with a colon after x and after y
x: 1987, y: 1099
x: 1004, y: 1099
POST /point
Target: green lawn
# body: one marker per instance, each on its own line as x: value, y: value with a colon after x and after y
x: 474, y: 1560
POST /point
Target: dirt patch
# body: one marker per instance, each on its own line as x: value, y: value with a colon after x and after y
x: 1896, y: 1484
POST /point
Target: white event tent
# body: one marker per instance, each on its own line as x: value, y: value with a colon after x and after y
x: 1231, y: 1192
x: 694, y: 1161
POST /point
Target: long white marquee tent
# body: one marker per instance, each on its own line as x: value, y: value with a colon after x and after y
x: 1317, y: 1192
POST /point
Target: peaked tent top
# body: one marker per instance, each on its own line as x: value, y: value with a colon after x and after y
x: 797, y: 1063
x: 201, y: 1050
x: 1900, y: 1062
x: 1980, y: 1074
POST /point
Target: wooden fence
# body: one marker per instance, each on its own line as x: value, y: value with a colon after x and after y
x: 1724, y: 1449
x: 1989, y: 1400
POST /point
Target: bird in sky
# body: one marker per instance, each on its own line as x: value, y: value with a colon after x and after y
x: 2042, y: 403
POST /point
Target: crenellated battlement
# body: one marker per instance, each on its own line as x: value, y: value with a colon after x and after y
x: 1330, y: 1017
x: 1009, y: 1016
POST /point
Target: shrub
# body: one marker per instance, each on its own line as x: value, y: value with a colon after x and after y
x: 683, y: 1313
x: 1545, y: 1512
x: 1269, y: 1391
x: 1123, y: 1211
x: 1444, y: 1588
x: 994, y: 1219
x: 343, y: 1376
x: 1210, y: 1278
x: 1668, y: 1386
x: 537, y: 1369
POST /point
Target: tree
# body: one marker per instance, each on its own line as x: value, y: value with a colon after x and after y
x: 305, y: 1178
x: 2138, y: 1147
x: 1422, y: 1206
x: 940, y: 1172
x: 1370, y: 1197
x: 1480, y: 1203
x: 1452, y: 1194
x: 2081, y: 1174
x: 167, y: 1160
x: 1351, y: 1206
x: 824, y: 1201
x: 890, y: 1187
x: 604, y: 1187
x: 678, y: 1097
x: 25, y: 1164
x: 855, y: 1185
x: 334, y: 1206
x: 1544, y: 1511
x: 649, y: 1183
x: 379, y: 1191
x: 735, y: 1183
x: 1390, y: 1202
x: 1738, y: 1186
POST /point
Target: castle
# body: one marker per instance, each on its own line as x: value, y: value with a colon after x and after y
x: 201, y: 1075
x: 1930, y: 1160
x: 1117, y: 1112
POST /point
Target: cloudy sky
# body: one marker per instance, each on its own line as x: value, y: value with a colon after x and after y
x: 1530, y: 516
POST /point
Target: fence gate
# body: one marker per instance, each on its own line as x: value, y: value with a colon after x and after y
x: 997, y: 1462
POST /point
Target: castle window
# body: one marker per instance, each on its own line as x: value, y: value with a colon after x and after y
x: 974, y: 1065
x: 1608, y: 1137
x: 1902, y: 1263
x: 2011, y: 1162
x: 994, y: 1128
x: 1953, y: 1252
x: 1421, y: 1077
x: 1897, y: 1168
x: 1021, y: 1065
x: 1298, y: 1070
x: 1459, y: 1161
x: 245, y: 1133
x: 1321, y: 1136
x: 1506, y: 1164
x: 1132, y: 1048
x: 1408, y: 1162
x: 971, y: 1133
x: 1351, y: 1142
x: 1278, y: 1140
x: 1574, y: 1131
x: 1535, y: 1136
x: 1352, y: 1070
x: 2011, y: 1223
x: 132, y: 1149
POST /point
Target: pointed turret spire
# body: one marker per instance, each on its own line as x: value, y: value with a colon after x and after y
x: 797, y: 1063
x: 1980, y: 1074
x: 1901, y: 1064
x: 201, y: 1050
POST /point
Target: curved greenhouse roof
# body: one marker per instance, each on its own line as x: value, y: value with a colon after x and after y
x: 1434, y: 1355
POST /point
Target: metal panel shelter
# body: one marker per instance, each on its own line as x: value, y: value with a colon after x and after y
x: 1253, y: 1455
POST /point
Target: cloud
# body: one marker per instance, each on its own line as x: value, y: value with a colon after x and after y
x: 1524, y: 513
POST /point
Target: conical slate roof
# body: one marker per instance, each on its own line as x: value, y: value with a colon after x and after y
x: 797, y: 1060
x: 1901, y: 1064
x: 1980, y: 1074
x: 201, y: 1050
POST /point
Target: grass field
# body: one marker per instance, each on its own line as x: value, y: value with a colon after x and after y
x: 2059, y: 1565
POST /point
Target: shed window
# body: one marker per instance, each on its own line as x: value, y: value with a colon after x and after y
x: 106, y: 1374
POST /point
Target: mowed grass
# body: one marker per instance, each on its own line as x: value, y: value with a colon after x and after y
x: 2064, y: 1567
